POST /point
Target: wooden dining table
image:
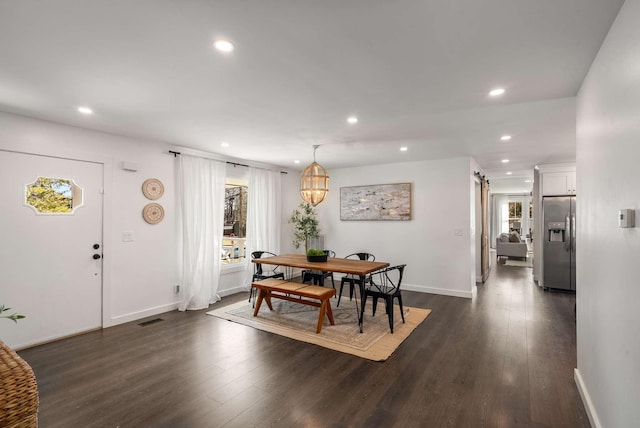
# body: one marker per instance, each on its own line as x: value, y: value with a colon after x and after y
x: 360, y: 268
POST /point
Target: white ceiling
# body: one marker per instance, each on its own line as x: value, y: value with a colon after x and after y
x: 415, y: 72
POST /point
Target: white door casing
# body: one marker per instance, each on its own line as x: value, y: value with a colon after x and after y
x: 46, y: 260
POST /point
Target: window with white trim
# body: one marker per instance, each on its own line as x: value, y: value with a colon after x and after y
x: 235, y: 216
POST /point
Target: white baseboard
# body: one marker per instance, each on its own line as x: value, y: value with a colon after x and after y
x: 133, y: 316
x: 442, y: 291
x: 586, y: 400
x: 234, y: 290
x: 49, y: 339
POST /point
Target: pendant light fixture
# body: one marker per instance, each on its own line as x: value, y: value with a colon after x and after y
x: 314, y: 182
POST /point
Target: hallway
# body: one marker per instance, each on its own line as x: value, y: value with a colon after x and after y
x: 537, y: 330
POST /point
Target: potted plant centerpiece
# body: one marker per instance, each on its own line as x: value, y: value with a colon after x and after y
x: 305, y: 225
x: 316, y: 255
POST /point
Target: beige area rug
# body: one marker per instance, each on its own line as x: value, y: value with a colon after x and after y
x: 299, y: 322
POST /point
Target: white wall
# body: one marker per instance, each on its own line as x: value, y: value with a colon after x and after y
x: 443, y: 201
x: 139, y: 275
x: 608, y: 272
x: 290, y: 200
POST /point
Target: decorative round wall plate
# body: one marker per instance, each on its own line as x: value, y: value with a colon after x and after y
x: 152, y: 188
x: 153, y: 213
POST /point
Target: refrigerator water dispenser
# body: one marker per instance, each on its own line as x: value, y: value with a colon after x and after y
x: 556, y: 230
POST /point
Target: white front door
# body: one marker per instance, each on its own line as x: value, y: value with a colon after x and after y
x: 47, y: 267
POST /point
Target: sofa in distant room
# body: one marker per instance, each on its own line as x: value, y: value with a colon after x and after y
x: 510, y: 245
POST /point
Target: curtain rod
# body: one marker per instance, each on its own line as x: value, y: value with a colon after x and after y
x: 175, y: 154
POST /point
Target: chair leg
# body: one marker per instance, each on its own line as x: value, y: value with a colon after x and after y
x: 401, y: 307
x: 342, y: 281
x: 375, y: 305
x: 364, y: 301
x: 333, y: 283
x: 252, y: 294
x: 389, y: 302
x: 253, y: 279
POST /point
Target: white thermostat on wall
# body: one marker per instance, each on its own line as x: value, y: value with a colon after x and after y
x: 627, y: 218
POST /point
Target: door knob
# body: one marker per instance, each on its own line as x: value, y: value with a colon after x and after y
x: 96, y: 246
x: 96, y: 256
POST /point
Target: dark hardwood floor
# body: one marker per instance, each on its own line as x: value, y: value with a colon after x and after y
x: 504, y: 359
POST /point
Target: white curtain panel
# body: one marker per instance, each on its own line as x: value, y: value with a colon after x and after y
x: 201, y: 184
x: 264, y: 214
x: 499, y: 217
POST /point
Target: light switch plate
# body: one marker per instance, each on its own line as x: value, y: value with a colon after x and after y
x: 127, y: 236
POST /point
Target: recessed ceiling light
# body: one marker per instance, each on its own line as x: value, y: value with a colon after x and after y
x: 224, y: 45
x: 85, y: 110
x: 403, y: 149
x: 527, y: 181
x: 505, y: 160
x: 509, y: 173
x: 225, y: 144
x: 505, y: 137
x: 352, y: 119
x: 296, y: 161
x: 497, y: 92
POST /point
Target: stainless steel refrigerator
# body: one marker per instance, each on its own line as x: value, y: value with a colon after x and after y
x: 559, y: 242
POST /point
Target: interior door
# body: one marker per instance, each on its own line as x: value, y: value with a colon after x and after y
x: 50, y: 263
x: 485, y: 229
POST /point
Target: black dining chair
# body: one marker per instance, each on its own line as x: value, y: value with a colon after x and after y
x: 318, y: 276
x: 353, y: 280
x: 385, y: 284
x: 261, y: 272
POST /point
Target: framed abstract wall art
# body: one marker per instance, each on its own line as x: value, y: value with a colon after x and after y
x: 376, y: 202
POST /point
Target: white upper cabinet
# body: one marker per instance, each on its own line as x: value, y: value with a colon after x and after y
x: 559, y: 183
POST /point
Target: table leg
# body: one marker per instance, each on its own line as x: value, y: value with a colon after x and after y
x: 360, y: 312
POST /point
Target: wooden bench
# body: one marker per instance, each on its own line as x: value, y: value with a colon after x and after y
x: 311, y: 295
